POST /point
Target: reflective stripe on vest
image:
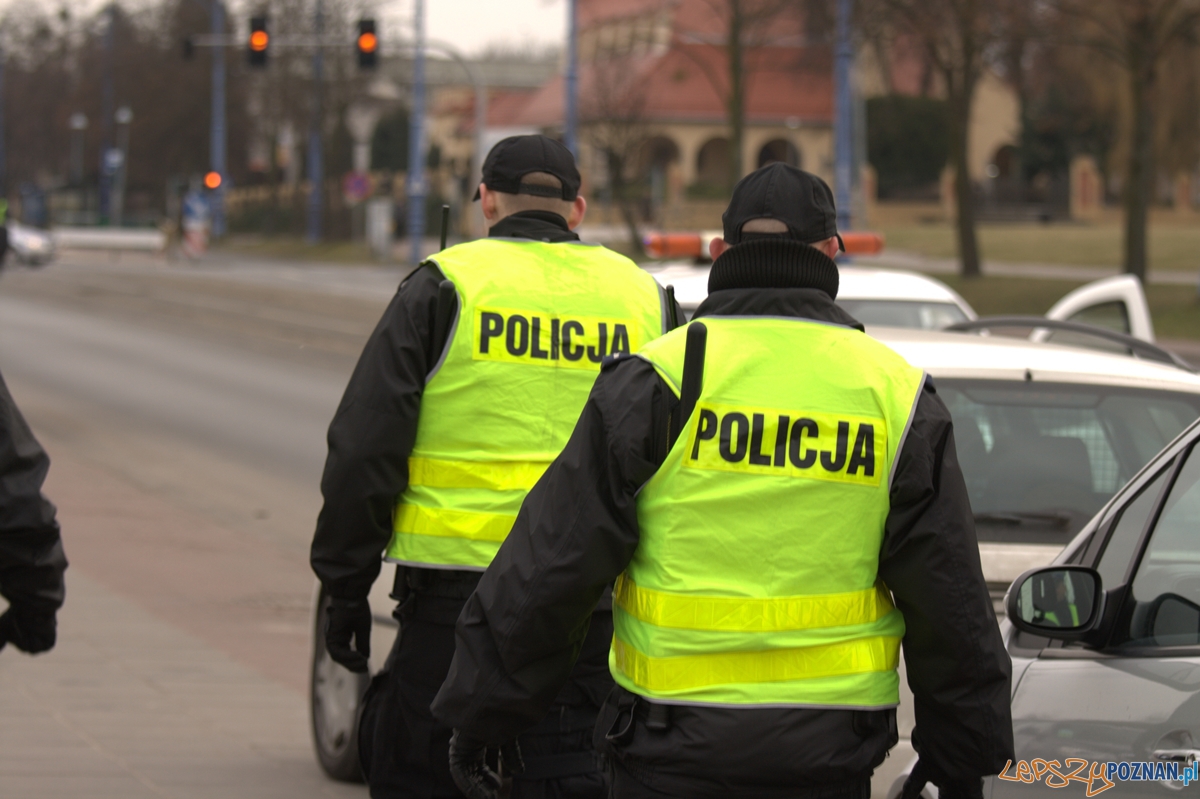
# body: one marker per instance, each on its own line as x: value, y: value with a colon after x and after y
x: 755, y: 578
x: 741, y: 614
x: 534, y: 322
x: 474, y: 474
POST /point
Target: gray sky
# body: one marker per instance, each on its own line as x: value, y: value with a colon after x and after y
x: 468, y: 24
x: 472, y: 24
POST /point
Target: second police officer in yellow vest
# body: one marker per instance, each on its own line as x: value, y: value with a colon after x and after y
x: 465, y: 393
x: 777, y: 498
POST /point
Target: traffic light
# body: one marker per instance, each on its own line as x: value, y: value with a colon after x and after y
x: 212, y: 181
x: 259, y: 40
x: 367, y: 44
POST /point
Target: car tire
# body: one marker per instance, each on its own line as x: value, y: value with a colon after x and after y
x: 335, y: 704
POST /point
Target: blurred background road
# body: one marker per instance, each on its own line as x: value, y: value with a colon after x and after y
x: 184, y: 411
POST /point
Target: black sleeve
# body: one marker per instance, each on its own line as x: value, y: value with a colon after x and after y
x: 958, y: 668
x: 520, y: 632
x: 31, y: 553
x: 370, y: 439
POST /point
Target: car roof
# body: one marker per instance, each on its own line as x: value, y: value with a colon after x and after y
x: 963, y: 355
x: 855, y: 283
x: 859, y: 282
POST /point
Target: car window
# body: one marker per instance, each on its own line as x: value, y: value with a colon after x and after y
x: 1040, y: 459
x: 1108, y: 315
x: 1164, y: 604
x: 1114, y: 562
x: 904, y: 313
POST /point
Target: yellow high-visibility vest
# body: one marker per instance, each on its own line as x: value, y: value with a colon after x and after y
x: 534, y: 322
x: 755, y: 577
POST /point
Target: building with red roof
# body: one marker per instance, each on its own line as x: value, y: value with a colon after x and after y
x: 660, y: 69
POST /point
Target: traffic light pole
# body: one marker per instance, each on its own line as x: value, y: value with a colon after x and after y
x: 572, y: 81
x: 106, y: 116
x: 217, y: 131
x: 416, y: 140
x: 3, y: 154
x: 316, y: 170
x: 843, y: 126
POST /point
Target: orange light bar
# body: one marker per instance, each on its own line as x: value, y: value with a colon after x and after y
x: 863, y: 243
x: 259, y: 41
x: 212, y: 181
x: 367, y: 42
x: 691, y: 245
x: 672, y: 245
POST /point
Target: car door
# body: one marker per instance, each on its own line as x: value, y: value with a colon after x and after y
x: 1115, y: 303
x: 1137, y: 696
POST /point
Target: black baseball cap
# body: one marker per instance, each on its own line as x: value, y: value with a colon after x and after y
x: 800, y: 200
x: 515, y: 157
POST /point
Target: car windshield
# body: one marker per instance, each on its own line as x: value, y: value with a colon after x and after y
x: 1041, y: 458
x: 922, y: 315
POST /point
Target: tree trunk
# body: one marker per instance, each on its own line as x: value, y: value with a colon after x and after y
x: 625, y: 203
x: 1139, y: 178
x: 629, y: 215
x: 737, y: 92
x: 961, y: 89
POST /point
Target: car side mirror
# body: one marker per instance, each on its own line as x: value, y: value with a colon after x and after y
x: 1063, y: 602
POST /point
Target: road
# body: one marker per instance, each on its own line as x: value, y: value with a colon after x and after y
x: 184, y: 410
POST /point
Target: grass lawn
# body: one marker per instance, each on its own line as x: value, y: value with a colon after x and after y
x: 1172, y: 247
x: 297, y: 249
x: 1175, y: 309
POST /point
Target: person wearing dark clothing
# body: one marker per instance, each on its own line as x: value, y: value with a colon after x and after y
x: 453, y: 411
x: 745, y: 716
x: 31, y: 553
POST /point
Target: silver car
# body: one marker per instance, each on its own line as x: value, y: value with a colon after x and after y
x: 1106, y: 656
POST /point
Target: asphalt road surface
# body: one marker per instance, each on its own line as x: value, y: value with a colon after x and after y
x: 184, y: 409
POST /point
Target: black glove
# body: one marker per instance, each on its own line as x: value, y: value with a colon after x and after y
x: 29, y: 630
x: 469, y: 768
x: 947, y: 789
x: 346, y: 619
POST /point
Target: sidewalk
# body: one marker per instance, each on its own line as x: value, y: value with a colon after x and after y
x: 127, y: 706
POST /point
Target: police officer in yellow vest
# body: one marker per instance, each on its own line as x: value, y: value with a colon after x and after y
x: 466, y: 391
x: 777, y: 498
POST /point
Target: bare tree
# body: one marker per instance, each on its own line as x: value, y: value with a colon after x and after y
x: 56, y: 66
x: 745, y: 27
x: 955, y: 36
x: 1138, y: 36
x: 614, y: 120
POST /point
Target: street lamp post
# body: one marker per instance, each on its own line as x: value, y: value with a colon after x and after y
x: 78, y: 123
x: 416, y: 139
x: 316, y: 169
x: 123, y: 118
x: 106, y: 118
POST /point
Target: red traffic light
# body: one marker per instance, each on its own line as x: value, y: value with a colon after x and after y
x: 212, y: 181
x: 367, y: 44
x: 258, y: 42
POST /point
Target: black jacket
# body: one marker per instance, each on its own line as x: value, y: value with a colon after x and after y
x: 373, y: 431
x: 31, y: 553
x: 375, y: 427
x: 519, y: 633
